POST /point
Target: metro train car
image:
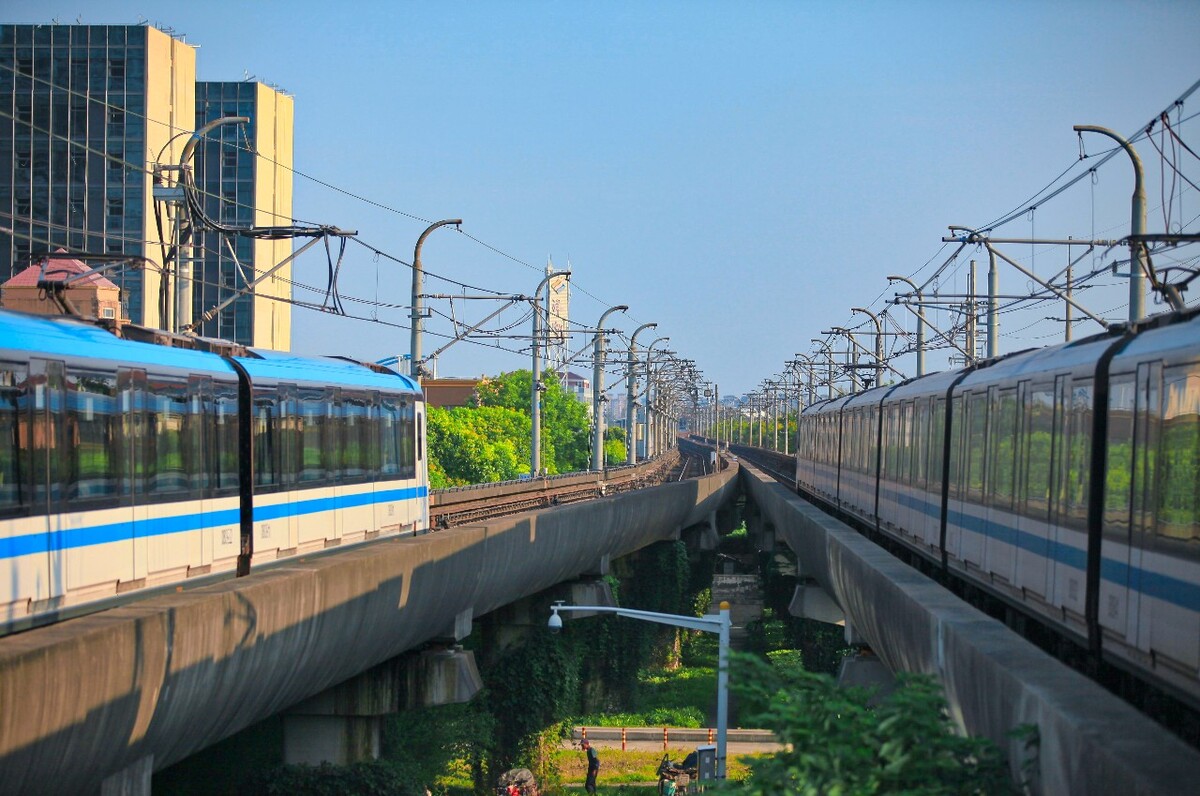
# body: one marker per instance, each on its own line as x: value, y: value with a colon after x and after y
x: 1063, y: 480
x: 126, y: 465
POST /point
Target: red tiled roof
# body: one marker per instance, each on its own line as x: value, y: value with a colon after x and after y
x: 58, y: 270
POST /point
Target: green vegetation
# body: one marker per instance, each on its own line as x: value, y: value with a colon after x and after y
x: 837, y: 742
x: 490, y: 439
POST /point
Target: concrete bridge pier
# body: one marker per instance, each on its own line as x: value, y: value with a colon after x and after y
x: 343, y: 724
x: 702, y: 536
x: 509, y: 625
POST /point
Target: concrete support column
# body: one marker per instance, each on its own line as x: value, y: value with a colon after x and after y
x: 343, y: 724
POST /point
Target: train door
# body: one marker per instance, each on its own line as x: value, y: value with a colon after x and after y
x: 1170, y: 622
x: 422, y: 473
x: 286, y: 436
x: 47, y: 383
x: 959, y: 418
x: 1068, y: 510
x: 973, y: 522
x: 1001, y: 539
x: 1034, y: 489
x: 131, y: 387
x: 1147, y: 430
x: 201, y: 422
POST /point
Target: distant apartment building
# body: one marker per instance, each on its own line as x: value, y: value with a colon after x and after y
x: 578, y: 386
x: 87, y: 113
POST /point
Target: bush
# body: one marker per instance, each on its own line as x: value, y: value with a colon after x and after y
x: 838, y: 743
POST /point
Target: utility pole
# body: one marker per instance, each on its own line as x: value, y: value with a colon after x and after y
x: 647, y: 435
x: 630, y: 389
x: 418, y: 288
x: 993, y: 320
x: 970, y: 305
x: 1137, y: 225
x: 920, y: 322
x: 536, y: 387
x: 878, y: 343
x: 598, y: 396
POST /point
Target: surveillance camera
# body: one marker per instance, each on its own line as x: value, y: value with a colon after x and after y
x: 555, y: 623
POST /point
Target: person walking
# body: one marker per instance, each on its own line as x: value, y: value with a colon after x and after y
x: 593, y: 766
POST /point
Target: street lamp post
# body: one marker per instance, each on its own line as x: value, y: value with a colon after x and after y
x: 536, y: 386
x: 598, y: 398
x: 418, y: 288
x: 712, y: 623
x: 630, y: 388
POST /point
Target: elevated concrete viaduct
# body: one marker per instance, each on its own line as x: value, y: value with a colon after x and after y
x: 100, y: 702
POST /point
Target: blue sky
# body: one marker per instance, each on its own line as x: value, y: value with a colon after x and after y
x: 742, y: 174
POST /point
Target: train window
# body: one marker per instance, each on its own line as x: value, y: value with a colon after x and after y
x: 1003, y: 449
x: 1036, y: 450
x: 871, y: 421
x: 976, y: 445
x: 170, y: 454
x: 315, y: 429
x: 224, y: 438
x: 1118, y: 466
x: 417, y: 439
x: 356, y: 451
x: 958, y: 421
x: 389, y: 431
x: 1179, y: 454
x: 924, y: 436
x: 891, y: 435
x: 94, y: 432
x: 906, y: 447
x: 937, y: 441
x: 268, y: 438
x: 1078, y: 455
x: 14, y: 451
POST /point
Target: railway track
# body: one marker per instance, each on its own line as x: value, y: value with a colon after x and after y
x: 461, y: 505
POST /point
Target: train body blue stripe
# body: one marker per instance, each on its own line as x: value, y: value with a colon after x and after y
x: 40, y: 543
x: 1154, y: 584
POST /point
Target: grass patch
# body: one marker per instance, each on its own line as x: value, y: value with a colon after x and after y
x: 631, y: 767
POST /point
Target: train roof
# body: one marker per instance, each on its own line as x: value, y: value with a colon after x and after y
x: 285, y: 367
x: 73, y: 339
x: 1171, y: 338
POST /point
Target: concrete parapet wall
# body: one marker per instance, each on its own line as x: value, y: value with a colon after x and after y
x: 1090, y: 741
x: 167, y: 676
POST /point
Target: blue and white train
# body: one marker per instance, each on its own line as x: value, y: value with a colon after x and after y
x: 127, y: 465
x: 1064, y: 480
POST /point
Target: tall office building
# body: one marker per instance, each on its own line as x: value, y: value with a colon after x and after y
x: 87, y: 114
x: 85, y: 111
x: 245, y: 171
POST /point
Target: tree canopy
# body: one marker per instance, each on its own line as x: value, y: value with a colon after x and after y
x: 490, y: 439
x: 566, y: 427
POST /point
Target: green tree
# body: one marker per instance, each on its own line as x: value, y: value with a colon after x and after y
x: 476, y: 445
x: 566, y: 436
x: 836, y: 742
x: 614, y: 446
